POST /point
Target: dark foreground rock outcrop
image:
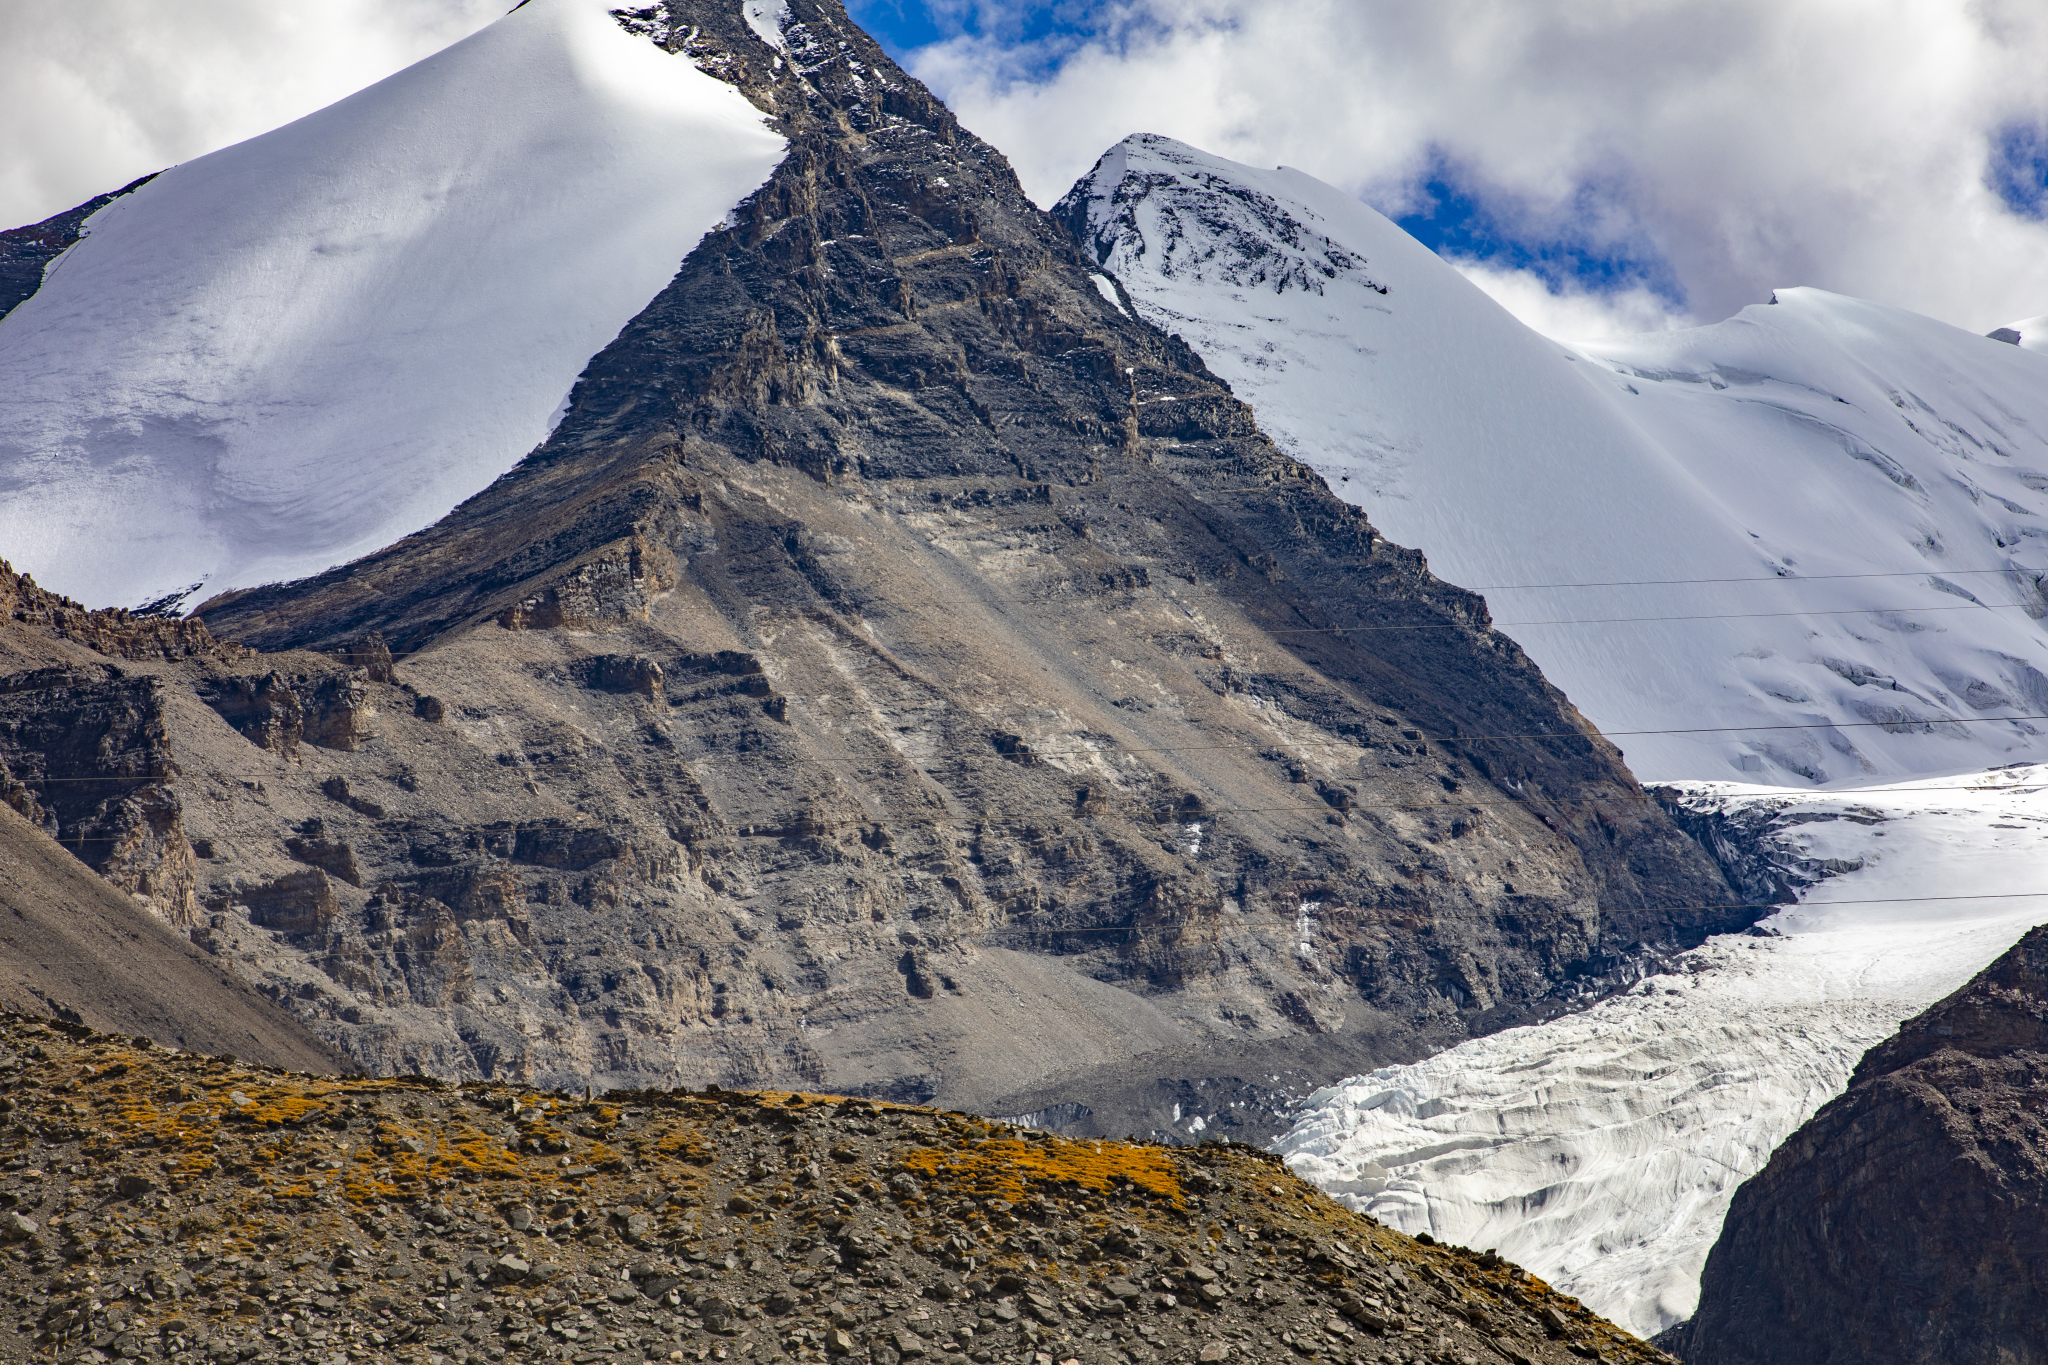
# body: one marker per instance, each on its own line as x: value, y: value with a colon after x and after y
x: 1907, y: 1222
x: 903, y: 672
x: 192, y: 1209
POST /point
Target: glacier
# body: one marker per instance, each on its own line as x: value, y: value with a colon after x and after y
x: 1601, y: 1149
x: 301, y: 348
x: 1680, y: 528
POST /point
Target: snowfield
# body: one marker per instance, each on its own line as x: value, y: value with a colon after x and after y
x: 1601, y: 1149
x: 2032, y: 333
x: 301, y: 348
x: 1724, y: 489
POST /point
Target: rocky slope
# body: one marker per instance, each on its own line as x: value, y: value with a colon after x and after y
x: 77, y: 949
x: 903, y: 673
x: 1907, y: 1221
x: 199, y: 1209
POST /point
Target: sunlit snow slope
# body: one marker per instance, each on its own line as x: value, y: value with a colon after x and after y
x: 298, y: 349
x: 2031, y: 333
x: 1768, y: 454
x: 1601, y: 1149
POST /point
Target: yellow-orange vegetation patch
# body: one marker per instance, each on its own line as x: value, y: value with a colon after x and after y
x: 684, y: 1144
x: 1010, y: 1168
x: 278, y: 1108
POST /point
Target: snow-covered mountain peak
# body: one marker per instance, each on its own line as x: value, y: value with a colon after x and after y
x: 1248, y: 238
x: 1804, y: 544
x: 298, y: 349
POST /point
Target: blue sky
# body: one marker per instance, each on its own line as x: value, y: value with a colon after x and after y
x: 2018, y: 168
x: 904, y: 25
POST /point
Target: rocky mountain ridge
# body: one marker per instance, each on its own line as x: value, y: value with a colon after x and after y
x: 26, y: 252
x: 903, y: 672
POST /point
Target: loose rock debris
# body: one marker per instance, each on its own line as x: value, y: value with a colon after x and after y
x: 161, y: 1205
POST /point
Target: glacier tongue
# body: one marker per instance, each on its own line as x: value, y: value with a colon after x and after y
x: 1768, y: 455
x: 1601, y: 1149
x: 303, y: 347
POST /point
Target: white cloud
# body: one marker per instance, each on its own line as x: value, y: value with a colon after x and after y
x: 1755, y: 143
x: 1574, y: 314
x: 115, y: 89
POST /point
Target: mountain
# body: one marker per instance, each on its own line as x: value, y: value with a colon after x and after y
x: 1907, y: 1221
x: 252, y: 1211
x: 902, y: 672
x: 1804, y: 544
x: 298, y: 349
x: 1601, y: 1149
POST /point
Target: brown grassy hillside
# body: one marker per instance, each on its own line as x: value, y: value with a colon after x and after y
x: 170, y: 1205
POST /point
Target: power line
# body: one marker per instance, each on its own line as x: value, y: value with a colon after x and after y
x: 1587, y: 735
x: 1627, y: 620
x: 1574, y: 734
x: 1757, y: 578
x: 1363, y: 912
x: 1179, y: 816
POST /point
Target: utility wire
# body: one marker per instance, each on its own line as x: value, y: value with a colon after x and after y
x: 1626, y: 620
x: 1182, y: 600
x: 1448, y: 804
x: 1583, y: 734
x: 1365, y: 912
x: 1106, y: 750
x: 1758, y: 578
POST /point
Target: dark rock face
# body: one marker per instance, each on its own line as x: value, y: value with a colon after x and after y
x: 905, y: 673
x: 278, y: 711
x: 1908, y: 1220
x: 85, y: 755
x: 1755, y: 843
x: 25, y: 252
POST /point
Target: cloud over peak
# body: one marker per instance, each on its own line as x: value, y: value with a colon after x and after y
x: 1715, y: 149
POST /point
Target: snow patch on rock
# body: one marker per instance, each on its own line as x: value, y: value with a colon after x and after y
x: 767, y: 18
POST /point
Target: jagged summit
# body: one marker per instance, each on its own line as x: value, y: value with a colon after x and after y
x: 1713, y: 501
x: 295, y: 350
